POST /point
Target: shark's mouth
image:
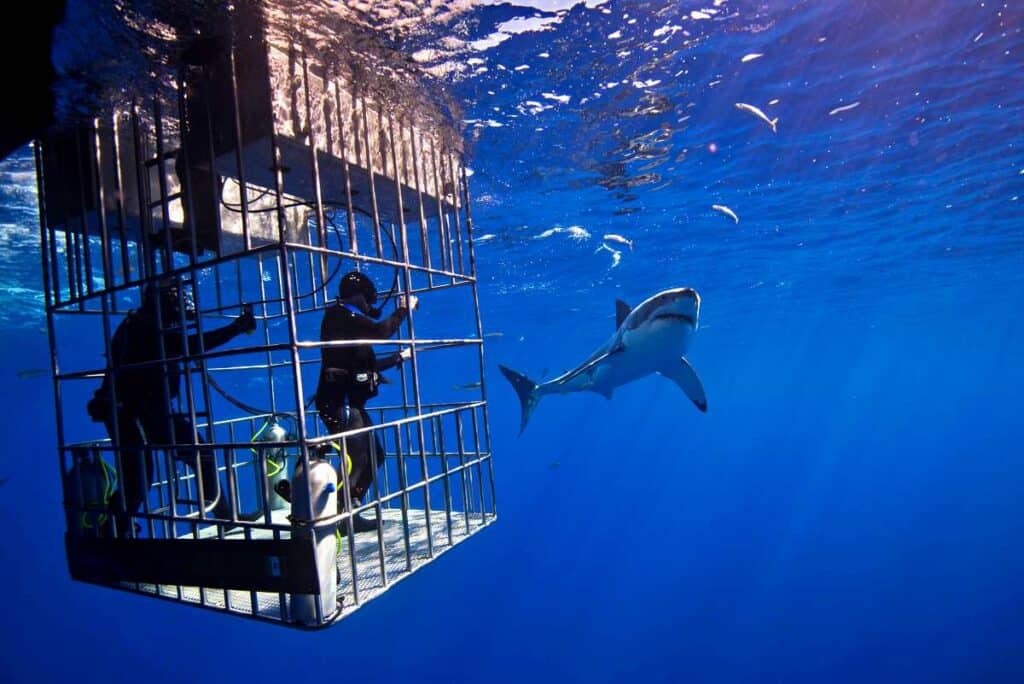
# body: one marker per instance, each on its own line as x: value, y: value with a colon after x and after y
x: 676, y: 317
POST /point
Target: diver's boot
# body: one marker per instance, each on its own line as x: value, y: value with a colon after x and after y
x: 362, y: 524
x: 222, y: 511
x: 283, y: 489
x: 359, y: 523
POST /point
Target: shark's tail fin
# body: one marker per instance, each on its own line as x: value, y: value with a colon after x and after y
x: 773, y: 123
x: 526, y: 389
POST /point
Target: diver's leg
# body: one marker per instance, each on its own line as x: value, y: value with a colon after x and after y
x: 358, y: 450
x: 331, y: 411
x: 375, y: 454
x: 135, y: 475
x: 210, y: 492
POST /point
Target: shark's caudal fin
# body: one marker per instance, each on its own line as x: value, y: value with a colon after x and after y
x: 526, y: 389
x: 773, y: 123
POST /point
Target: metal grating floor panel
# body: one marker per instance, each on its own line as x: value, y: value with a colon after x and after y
x: 398, y: 562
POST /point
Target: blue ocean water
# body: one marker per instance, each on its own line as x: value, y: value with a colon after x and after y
x: 849, y: 509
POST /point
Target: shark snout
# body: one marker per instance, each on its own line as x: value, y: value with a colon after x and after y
x: 683, y: 302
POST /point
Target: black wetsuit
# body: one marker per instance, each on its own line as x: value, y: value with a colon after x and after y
x: 349, y: 377
x: 145, y: 415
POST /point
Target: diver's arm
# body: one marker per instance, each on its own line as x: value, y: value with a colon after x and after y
x: 369, y: 329
x: 389, y: 361
x: 212, y: 339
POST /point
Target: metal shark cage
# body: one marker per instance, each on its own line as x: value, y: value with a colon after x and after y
x: 263, y: 174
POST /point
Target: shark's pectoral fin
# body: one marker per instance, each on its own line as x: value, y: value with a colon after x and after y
x: 605, y: 392
x: 684, y: 376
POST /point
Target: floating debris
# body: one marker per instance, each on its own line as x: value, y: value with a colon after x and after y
x: 614, y: 237
x: 844, y: 108
x: 727, y: 211
x: 751, y: 109
x: 752, y: 56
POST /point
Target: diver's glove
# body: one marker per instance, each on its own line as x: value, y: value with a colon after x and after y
x: 410, y: 302
x: 246, y: 323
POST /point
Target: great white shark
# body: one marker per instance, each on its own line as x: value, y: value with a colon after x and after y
x: 650, y: 338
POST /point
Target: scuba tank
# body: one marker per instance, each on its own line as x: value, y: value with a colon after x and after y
x: 275, y: 458
x: 322, y: 482
x: 89, y: 486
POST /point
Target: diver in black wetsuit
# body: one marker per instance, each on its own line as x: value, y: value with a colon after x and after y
x: 349, y: 376
x: 145, y: 415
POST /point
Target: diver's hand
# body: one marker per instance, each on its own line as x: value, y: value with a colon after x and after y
x: 247, y: 321
x: 405, y: 354
x: 410, y: 302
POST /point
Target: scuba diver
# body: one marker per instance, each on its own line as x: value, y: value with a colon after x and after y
x: 350, y: 376
x: 145, y: 413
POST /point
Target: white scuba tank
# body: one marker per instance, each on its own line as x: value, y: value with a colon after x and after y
x: 276, y: 460
x: 323, y: 483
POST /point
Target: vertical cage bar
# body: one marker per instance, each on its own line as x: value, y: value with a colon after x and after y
x: 126, y: 275
x: 113, y: 361
x: 410, y: 326
x: 446, y: 262
x: 474, y: 286
x: 373, y: 182
x: 346, y: 172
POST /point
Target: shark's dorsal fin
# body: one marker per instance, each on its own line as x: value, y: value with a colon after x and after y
x: 622, y: 310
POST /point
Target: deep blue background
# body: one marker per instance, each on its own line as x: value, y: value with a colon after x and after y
x: 850, y: 507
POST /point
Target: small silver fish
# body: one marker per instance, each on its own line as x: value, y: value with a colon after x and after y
x: 33, y: 373
x: 616, y: 254
x: 743, y: 106
x: 613, y: 237
x: 467, y: 386
x: 727, y: 211
x: 844, y: 108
